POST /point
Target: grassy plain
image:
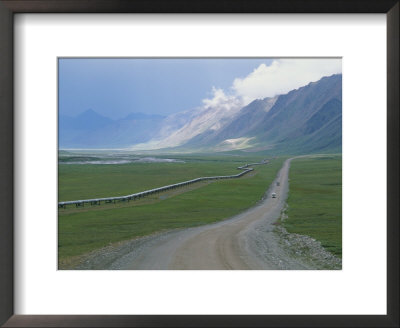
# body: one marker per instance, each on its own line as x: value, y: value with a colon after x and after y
x: 93, y: 180
x: 315, y: 200
x: 89, y: 228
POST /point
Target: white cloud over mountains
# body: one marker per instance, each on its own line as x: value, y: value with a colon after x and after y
x: 280, y: 77
x: 222, y: 100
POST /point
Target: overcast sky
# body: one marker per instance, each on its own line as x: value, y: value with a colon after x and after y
x: 117, y: 87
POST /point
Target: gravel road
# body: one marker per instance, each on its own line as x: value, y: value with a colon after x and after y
x: 247, y: 241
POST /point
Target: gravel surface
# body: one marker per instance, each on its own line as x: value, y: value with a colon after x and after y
x: 250, y: 240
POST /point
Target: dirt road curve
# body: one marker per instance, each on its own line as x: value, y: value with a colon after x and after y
x: 229, y: 245
x: 246, y: 241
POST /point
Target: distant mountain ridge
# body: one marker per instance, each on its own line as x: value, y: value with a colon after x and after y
x: 307, y: 119
x: 92, y: 130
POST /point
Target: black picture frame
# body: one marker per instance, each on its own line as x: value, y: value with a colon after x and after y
x: 10, y: 7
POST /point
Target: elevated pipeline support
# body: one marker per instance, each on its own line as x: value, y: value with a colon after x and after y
x: 107, y: 200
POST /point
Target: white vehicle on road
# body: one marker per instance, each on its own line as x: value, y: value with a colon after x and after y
x: 273, y: 195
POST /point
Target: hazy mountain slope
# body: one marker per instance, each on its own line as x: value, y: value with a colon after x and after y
x: 92, y: 130
x: 174, y: 122
x: 238, y: 125
x: 86, y: 121
x: 327, y: 138
x: 305, y: 119
x: 203, y: 120
x: 292, y: 111
x: 308, y: 119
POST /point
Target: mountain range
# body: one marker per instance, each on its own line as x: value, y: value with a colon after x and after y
x: 92, y: 130
x: 305, y: 120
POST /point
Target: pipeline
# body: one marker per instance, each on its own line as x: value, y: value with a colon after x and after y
x: 97, y: 201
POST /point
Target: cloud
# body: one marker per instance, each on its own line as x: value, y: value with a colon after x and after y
x: 282, y: 76
x: 221, y: 100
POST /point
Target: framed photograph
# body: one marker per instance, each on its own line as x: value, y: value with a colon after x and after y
x: 199, y: 164
x: 157, y: 189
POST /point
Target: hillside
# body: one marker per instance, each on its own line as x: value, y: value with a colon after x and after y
x: 308, y: 119
x: 305, y: 120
